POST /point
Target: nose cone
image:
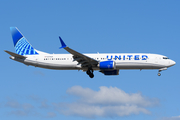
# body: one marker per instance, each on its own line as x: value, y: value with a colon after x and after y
x: 173, y: 62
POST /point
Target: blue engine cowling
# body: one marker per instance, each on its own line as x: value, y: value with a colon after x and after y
x: 110, y: 72
x: 107, y: 65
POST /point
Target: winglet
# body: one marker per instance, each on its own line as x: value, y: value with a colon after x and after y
x: 63, y: 45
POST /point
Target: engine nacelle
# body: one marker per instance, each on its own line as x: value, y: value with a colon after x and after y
x: 110, y: 72
x: 107, y: 65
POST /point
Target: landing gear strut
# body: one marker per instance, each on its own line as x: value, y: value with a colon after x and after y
x: 159, y: 74
x: 90, y: 73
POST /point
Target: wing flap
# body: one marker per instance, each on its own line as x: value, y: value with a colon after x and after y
x: 80, y: 58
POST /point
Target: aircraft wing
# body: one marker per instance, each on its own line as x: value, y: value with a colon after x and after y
x: 14, y: 54
x: 82, y: 59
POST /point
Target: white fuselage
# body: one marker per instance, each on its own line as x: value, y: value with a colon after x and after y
x: 106, y: 63
x: 121, y: 60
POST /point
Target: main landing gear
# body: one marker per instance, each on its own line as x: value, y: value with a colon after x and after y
x: 90, y: 73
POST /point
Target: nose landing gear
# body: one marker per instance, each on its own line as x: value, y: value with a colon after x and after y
x: 90, y: 73
x: 159, y: 74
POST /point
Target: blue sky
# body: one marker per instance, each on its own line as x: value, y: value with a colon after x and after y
x: 103, y: 26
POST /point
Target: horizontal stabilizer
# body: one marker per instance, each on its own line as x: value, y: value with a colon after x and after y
x: 14, y: 54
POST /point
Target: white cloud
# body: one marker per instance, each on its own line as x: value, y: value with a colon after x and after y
x: 172, y: 118
x: 110, y: 96
x: 27, y: 106
x: 44, y: 105
x: 19, y: 113
x: 34, y: 97
x: 27, y: 109
x: 107, y: 102
x: 51, y: 114
x: 24, y: 109
x: 12, y: 104
x: 91, y: 111
x: 17, y: 105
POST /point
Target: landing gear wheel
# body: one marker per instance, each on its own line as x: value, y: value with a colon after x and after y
x: 90, y: 73
x: 159, y: 74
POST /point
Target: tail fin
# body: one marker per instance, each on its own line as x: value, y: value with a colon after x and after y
x: 22, y: 46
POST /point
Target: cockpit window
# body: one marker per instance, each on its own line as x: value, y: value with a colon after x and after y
x: 165, y: 58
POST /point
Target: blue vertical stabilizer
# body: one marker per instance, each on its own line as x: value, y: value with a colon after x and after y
x: 22, y: 46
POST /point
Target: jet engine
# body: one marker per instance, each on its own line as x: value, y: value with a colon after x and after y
x: 107, y: 65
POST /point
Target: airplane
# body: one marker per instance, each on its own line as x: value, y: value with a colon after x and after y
x: 106, y: 63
